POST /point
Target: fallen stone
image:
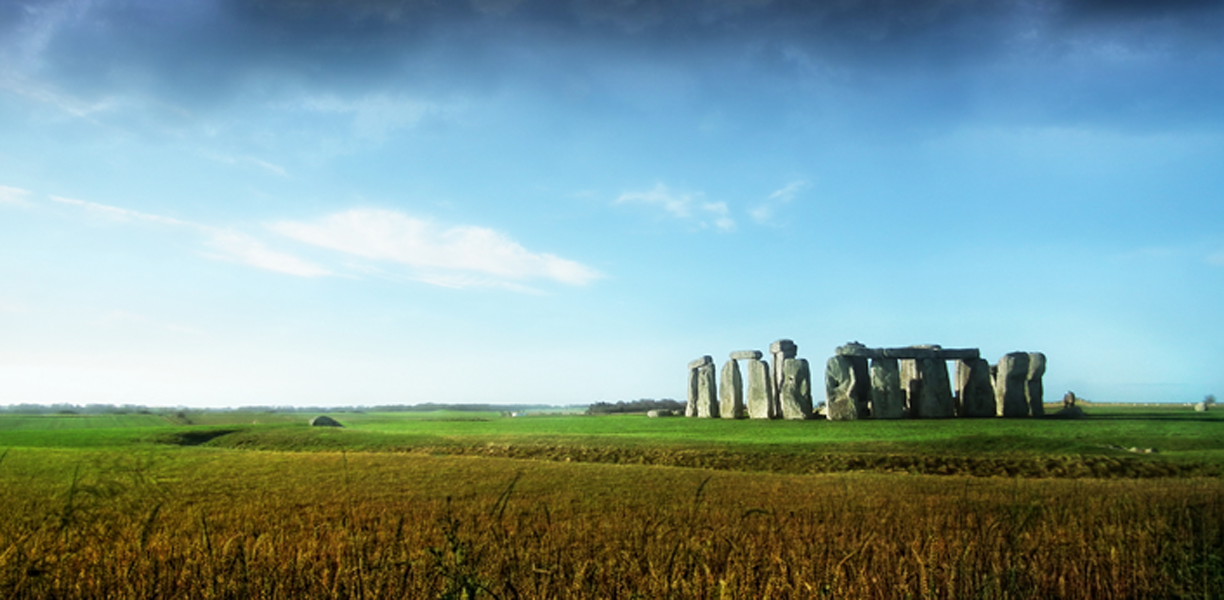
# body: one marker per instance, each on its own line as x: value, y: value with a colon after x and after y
x: 746, y: 355
x: 1070, y: 412
x: 660, y: 412
x: 1033, y: 389
x: 796, y: 395
x: 1011, y: 389
x: 1201, y: 407
x: 324, y: 421
x: 760, y: 403
x: 731, y: 392
x: 887, y: 399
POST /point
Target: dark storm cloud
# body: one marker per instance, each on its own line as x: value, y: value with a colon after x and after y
x: 203, y: 52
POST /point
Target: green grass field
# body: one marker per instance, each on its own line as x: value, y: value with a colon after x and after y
x: 476, y: 505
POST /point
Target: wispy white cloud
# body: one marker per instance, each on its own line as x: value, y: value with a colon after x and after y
x: 122, y: 214
x: 765, y: 211
x: 447, y: 256
x: 688, y: 206
x: 14, y: 196
x: 247, y: 160
x: 233, y: 246
x: 242, y: 248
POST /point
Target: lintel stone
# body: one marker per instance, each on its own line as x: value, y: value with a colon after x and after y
x: 746, y: 355
x: 910, y: 352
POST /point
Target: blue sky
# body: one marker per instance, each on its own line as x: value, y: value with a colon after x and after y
x: 323, y: 202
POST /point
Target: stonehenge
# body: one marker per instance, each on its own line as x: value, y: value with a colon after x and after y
x: 869, y: 383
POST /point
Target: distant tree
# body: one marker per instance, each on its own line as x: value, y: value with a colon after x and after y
x: 1209, y: 399
x: 633, y: 406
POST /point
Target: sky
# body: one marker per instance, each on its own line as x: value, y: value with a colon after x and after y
x: 357, y: 202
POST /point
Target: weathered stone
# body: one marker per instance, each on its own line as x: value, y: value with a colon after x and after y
x: 746, y: 355
x: 1069, y: 412
x: 841, y: 385
x: 779, y: 351
x: 862, y: 386
x: 974, y: 394
x: 1069, y: 399
x: 690, y: 407
x: 887, y: 399
x: 909, y: 352
x: 705, y: 360
x: 857, y: 349
x: 707, y: 392
x: 731, y: 392
x: 796, y: 395
x: 928, y: 391
x: 1011, y: 389
x: 1202, y: 407
x: 324, y: 421
x: 760, y: 396
x: 784, y: 347
x: 911, y: 385
x: 1033, y: 388
x: 660, y: 412
x: 935, y: 401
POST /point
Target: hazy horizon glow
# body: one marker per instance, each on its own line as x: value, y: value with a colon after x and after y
x: 314, y: 202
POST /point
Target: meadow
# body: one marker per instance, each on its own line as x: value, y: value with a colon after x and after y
x: 464, y: 505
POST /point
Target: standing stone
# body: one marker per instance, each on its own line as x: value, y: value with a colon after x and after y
x: 936, y: 398
x: 1033, y: 387
x: 861, y: 392
x: 1069, y: 399
x: 731, y: 392
x: 780, y: 350
x: 974, y: 394
x: 1011, y: 389
x: 911, y: 386
x: 690, y: 407
x: 841, y: 383
x: 796, y: 395
x: 760, y: 391
x: 927, y: 388
x: 1201, y: 407
x: 707, y: 392
x: 887, y: 399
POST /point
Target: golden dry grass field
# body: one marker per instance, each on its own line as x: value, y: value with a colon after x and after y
x: 139, y: 519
